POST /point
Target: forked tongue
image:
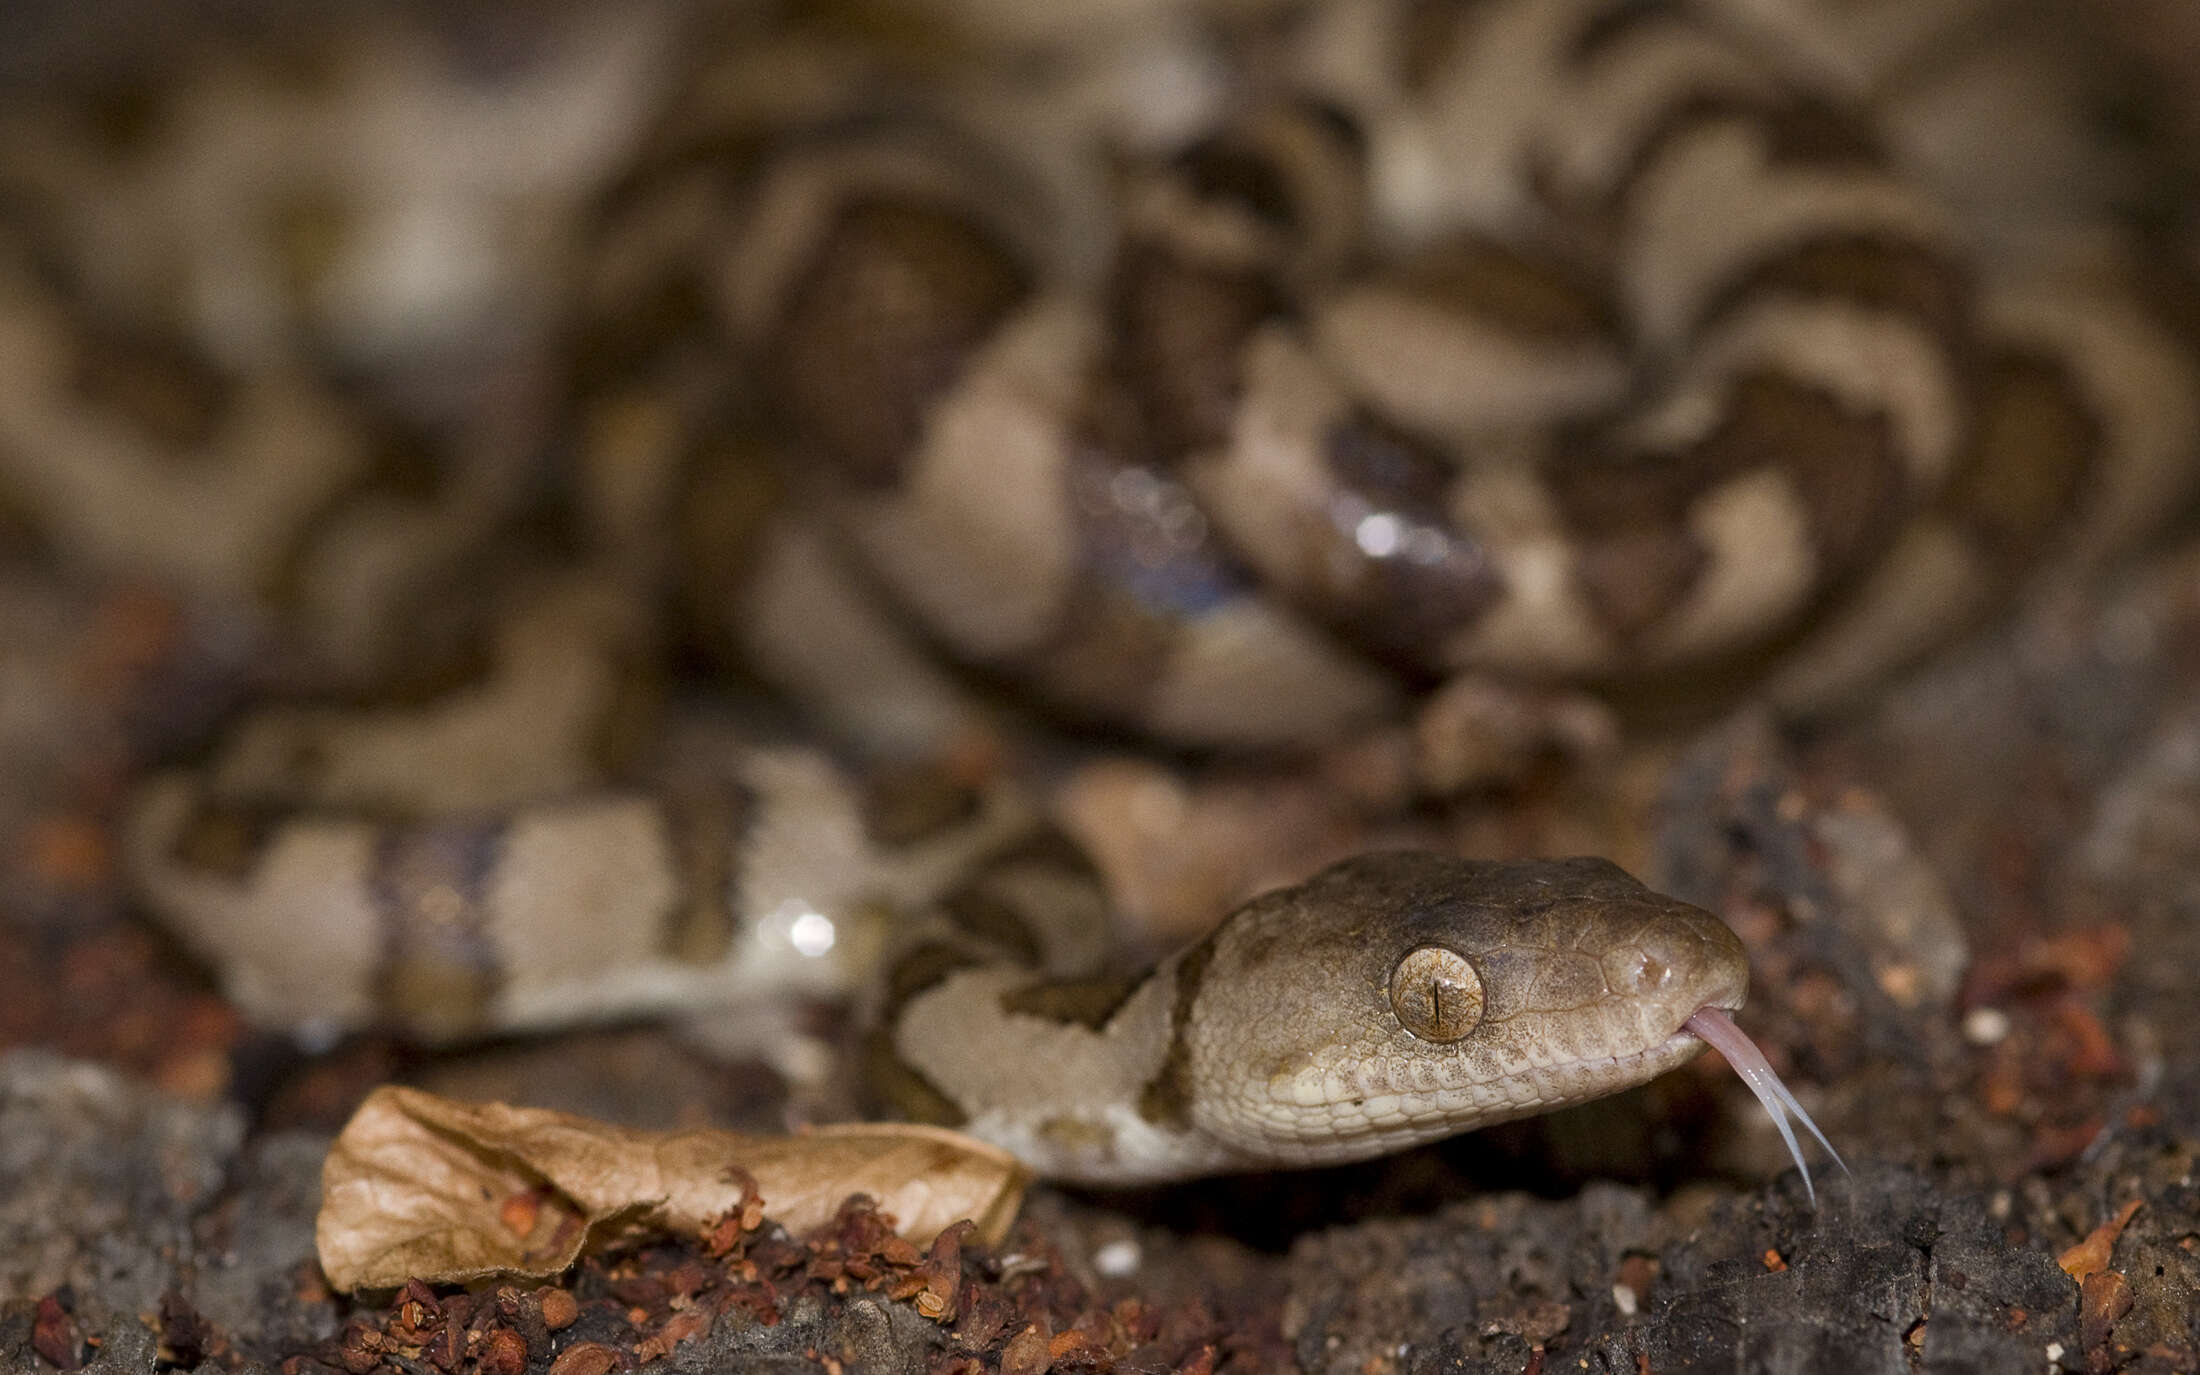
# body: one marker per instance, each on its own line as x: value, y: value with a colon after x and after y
x: 1718, y: 1030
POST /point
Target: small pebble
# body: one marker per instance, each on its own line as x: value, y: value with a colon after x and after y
x: 559, y: 1309
x: 504, y: 1352
x: 588, y: 1358
x: 1986, y: 1026
x: 1117, y: 1259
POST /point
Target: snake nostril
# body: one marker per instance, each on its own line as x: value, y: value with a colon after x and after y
x: 1634, y: 971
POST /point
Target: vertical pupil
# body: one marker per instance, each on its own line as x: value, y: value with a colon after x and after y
x: 1435, y: 994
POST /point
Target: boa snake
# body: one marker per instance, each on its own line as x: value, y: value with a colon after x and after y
x: 1565, y: 346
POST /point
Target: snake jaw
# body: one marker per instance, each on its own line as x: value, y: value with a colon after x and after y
x: 1320, y: 1117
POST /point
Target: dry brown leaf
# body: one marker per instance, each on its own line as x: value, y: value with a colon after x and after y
x: 2091, y: 1256
x: 419, y: 1186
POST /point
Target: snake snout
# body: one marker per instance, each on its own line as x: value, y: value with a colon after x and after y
x: 1683, y: 959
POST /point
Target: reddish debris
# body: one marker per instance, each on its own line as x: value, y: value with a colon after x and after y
x: 936, y: 1282
x: 2054, y: 1060
x: 558, y: 1309
x: 2084, y: 961
x: 114, y: 996
x: 1028, y: 1352
x: 186, y: 1338
x: 1639, y: 1274
x: 624, y: 1308
x: 503, y: 1352
x: 588, y: 1358
x: 2102, y: 1299
x: 55, y: 1335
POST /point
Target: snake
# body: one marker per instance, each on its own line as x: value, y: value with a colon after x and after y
x: 1448, y: 365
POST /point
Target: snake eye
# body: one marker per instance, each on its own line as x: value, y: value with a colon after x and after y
x: 1436, y: 993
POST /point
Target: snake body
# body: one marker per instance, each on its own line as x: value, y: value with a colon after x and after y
x: 1562, y: 347
x: 1656, y: 369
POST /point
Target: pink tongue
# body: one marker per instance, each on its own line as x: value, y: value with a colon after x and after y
x: 1718, y: 1030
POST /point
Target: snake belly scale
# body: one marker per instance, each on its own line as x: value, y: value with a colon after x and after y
x: 1569, y: 347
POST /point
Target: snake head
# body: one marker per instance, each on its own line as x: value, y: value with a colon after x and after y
x: 1400, y: 997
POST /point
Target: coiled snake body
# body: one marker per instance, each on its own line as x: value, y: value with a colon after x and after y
x: 1532, y: 347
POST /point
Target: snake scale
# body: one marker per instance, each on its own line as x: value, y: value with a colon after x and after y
x: 1385, y: 357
